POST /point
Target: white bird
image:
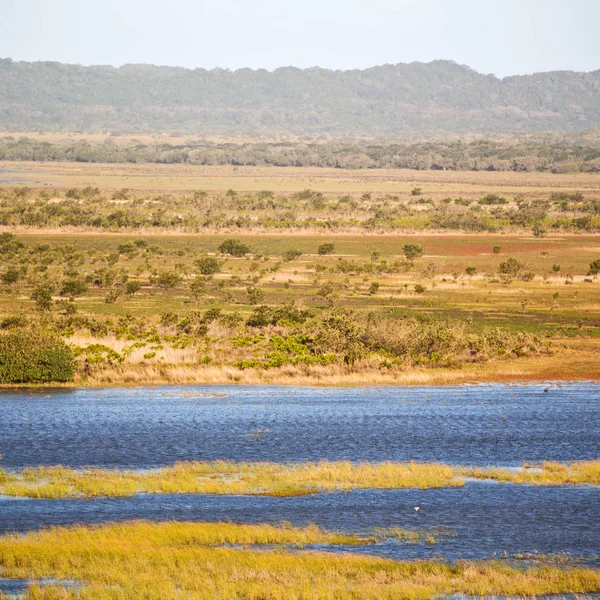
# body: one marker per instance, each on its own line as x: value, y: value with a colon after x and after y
x: 417, y: 508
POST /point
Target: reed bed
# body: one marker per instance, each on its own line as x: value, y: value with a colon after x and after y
x: 547, y: 473
x: 222, y: 477
x: 166, y: 561
x: 276, y: 479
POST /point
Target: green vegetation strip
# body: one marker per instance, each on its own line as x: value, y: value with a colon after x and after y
x: 274, y: 479
x: 223, y: 560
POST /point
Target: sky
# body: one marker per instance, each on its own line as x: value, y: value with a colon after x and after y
x: 503, y: 37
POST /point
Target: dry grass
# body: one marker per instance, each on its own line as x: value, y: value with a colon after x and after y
x: 220, y: 477
x: 568, y: 365
x: 191, y: 560
x: 548, y: 473
x: 275, y: 479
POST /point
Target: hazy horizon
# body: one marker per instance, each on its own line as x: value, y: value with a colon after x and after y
x: 283, y: 67
x: 512, y: 37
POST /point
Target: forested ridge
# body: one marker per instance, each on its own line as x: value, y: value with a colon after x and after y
x: 440, y: 96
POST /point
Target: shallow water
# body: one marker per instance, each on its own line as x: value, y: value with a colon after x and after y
x: 475, y: 521
x: 478, y: 425
x: 149, y: 427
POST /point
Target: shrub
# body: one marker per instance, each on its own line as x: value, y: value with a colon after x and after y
x: 594, y: 267
x: 290, y: 255
x: 324, y: 249
x: 132, y: 287
x: 497, y: 249
x: 412, y: 251
x: 169, y: 279
x: 420, y: 289
x: 42, y: 295
x: 233, y: 248
x: 510, y: 267
x: 11, y: 275
x: 491, y: 199
x: 208, y: 265
x: 34, y: 357
x: 73, y: 288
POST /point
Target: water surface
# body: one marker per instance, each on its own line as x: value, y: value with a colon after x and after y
x: 149, y: 427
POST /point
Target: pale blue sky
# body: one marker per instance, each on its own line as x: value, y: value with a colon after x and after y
x: 503, y: 37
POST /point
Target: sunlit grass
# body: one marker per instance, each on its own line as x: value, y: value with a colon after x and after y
x: 547, y: 473
x: 221, y: 477
x: 275, y: 479
x: 195, y: 560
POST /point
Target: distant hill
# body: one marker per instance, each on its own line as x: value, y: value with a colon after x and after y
x: 436, y: 97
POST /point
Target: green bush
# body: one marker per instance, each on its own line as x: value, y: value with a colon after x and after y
x: 34, y: 357
x: 208, y: 265
x: 594, y: 267
x: 324, y: 249
x: 233, y: 248
x: 412, y: 251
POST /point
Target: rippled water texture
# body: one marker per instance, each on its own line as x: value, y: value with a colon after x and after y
x: 149, y: 427
x: 478, y: 425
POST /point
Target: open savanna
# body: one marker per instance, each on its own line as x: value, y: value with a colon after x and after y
x: 222, y: 560
x: 184, y: 178
x: 339, y: 276
x: 560, y: 308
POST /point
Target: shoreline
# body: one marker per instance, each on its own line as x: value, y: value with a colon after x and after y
x: 564, y: 367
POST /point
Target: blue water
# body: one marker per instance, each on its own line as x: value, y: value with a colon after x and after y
x: 149, y: 427
x: 476, y: 425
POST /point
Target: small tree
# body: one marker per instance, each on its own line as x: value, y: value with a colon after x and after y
x: 497, y: 249
x: 470, y: 271
x: 233, y: 248
x: 290, y: 255
x: 510, y: 267
x: 198, y: 288
x: 324, y: 249
x: 11, y: 275
x: 412, y: 251
x: 73, y: 288
x: 42, y: 295
x: 169, y: 279
x: 132, y: 287
x: 255, y: 295
x: 594, y: 267
x: 373, y: 288
x: 207, y: 265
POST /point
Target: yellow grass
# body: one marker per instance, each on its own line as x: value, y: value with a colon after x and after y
x: 192, y: 560
x: 548, y: 473
x: 222, y: 477
x: 569, y: 365
x: 437, y: 184
x: 275, y: 479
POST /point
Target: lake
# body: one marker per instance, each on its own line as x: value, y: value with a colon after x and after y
x: 472, y: 425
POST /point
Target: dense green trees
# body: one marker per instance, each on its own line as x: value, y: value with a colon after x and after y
x: 542, y: 153
x: 28, y: 356
x: 388, y: 99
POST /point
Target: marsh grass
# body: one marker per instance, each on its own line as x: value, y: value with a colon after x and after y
x: 547, y: 473
x: 221, y: 477
x: 196, y: 561
x: 275, y: 479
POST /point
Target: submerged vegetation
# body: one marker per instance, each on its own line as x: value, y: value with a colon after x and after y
x: 222, y: 561
x: 274, y: 479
